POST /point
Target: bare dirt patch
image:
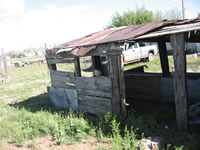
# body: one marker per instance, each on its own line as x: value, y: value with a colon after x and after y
x: 49, y: 143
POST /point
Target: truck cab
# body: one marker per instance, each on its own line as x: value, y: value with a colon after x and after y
x: 135, y: 51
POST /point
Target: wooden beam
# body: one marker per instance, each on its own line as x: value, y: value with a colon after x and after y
x: 114, y: 76
x: 121, y: 83
x: 77, y: 67
x: 180, y: 81
x: 163, y: 56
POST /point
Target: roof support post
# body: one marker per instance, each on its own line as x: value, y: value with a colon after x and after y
x: 163, y: 56
x: 180, y: 81
x: 118, y: 86
x: 77, y: 67
x: 121, y: 83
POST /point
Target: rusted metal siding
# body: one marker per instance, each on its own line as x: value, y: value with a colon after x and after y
x: 141, y: 86
x: 154, y: 87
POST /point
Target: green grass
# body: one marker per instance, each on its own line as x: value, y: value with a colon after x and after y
x: 154, y: 66
x: 25, y: 113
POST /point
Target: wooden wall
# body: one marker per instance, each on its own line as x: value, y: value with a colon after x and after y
x: 94, y: 94
x: 62, y: 79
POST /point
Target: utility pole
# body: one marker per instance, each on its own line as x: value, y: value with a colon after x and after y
x: 183, y: 10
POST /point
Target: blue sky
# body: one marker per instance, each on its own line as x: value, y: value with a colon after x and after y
x: 120, y: 5
x: 31, y: 23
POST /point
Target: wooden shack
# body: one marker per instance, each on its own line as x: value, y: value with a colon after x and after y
x: 107, y: 93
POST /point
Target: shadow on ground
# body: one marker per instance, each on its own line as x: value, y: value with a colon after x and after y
x: 151, y: 118
x: 36, y: 103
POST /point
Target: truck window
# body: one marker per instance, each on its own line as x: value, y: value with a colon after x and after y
x: 131, y: 46
x: 141, y: 44
x: 135, y: 45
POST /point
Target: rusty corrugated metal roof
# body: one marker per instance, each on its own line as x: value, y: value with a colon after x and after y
x: 179, y: 27
x: 115, y: 35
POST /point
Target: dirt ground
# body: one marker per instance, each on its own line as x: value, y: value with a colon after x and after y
x: 49, y: 143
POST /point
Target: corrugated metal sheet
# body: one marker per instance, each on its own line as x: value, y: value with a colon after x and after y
x: 154, y: 87
x: 179, y: 27
x: 81, y: 51
x: 127, y: 33
x: 143, y: 86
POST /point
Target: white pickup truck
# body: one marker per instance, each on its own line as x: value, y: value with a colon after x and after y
x: 134, y: 52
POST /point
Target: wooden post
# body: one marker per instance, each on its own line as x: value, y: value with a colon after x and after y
x: 121, y: 83
x: 180, y: 81
x: 52, y: 67
x: 5, y: 65
x: 77, y: 67
x: 163, y: 57
x: 114, y: 76
x: 96, y: 62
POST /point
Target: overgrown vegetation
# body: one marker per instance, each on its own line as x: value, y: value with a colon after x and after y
x: 25, y: 113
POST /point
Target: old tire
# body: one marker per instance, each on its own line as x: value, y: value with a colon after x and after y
x: 150, y: 57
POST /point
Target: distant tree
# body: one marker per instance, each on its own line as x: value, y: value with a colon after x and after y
x: 158, y: 16
x: 139, y: 16
x: 172, y: 14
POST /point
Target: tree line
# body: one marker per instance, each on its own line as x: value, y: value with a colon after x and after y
x: 141, y: 16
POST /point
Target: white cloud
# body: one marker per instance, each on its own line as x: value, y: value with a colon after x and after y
x: 52, y: 25
x: 10, y: 8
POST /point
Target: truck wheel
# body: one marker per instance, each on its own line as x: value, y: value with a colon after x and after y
x: 151, y: 57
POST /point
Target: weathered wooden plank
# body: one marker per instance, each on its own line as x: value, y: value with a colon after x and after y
x: 97, y: 104
x: 62, y: 73
x: 84, y: 98
x: 82, y: 84
x: 58, y: 60
x: 180, y: 82
x: 59, y: 84
x: 77, y: 67
x: 163, y: 56
x: 60, y: 55
x: 94, y: 110
x: 64, y: 79
x: 114, y: 76
x: 93, y: 101
x: 97, y: 93
x: 105, y: 49
x: 100, y: 80
x: 121, y: 83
